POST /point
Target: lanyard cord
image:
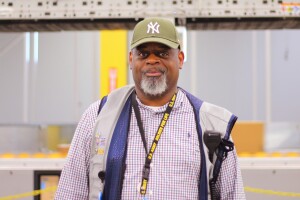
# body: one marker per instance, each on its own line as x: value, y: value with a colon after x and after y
x: 139, y: 120
x: 146, y: 169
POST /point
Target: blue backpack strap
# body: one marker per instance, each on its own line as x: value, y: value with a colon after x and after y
x: 202, y: 186
x: 115, y: 164
x: 103, y: 101
x: 224, y: 147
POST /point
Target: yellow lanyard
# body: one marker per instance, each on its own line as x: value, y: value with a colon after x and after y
x: 146, y: 169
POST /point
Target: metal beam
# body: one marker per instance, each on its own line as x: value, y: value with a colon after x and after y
x: 39, y: 15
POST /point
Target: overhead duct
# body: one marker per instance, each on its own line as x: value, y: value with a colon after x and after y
x: 254, y: 23
x: 65, y: 25
x: 56, y: 15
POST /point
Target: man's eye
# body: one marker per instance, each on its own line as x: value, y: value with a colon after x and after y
x: 163, y: 54
x: 142, y: 54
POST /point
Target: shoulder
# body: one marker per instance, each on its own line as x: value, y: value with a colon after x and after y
x: 207, y: 108
x: 120, y: 92
x: 214, y: 111
x: 85, y: 126
x: 212, y: 117
x: 193, y: 99
x: 92, y: 110
x: 217, y: 118
x: 89, y: 117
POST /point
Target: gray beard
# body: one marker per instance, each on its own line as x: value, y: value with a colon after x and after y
x: 154, y: 86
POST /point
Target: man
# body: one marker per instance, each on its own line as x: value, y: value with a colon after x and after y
x: 150, y: 136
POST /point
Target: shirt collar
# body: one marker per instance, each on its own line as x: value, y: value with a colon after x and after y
x: 178, y: 103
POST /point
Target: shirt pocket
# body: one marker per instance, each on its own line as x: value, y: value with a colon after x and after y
x: 182, y: 151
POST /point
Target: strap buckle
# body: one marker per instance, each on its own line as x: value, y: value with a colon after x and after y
x: 146, y: 172
x: 226, y: 146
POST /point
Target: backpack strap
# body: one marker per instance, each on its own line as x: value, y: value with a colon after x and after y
x: 218, y: 122
x: 203, y: 180
x: 222, y: 150
x: 109, y: 111
x: 103, y: 101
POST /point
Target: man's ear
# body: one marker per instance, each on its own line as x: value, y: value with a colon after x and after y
x: 181, y: 59
x: 130, y: 59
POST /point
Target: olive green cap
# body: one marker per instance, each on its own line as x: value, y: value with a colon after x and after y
x: 155, y: 30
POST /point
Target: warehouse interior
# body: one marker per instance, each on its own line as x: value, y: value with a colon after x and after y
x: 59, y: 56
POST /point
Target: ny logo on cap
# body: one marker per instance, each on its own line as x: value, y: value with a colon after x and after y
x: 153, y: 27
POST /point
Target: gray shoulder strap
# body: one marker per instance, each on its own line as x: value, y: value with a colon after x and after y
x: 218, y: 119
x: 102, y: 134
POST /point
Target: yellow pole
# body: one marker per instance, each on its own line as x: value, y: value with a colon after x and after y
x: 113, y: 60
x: 53, y: 135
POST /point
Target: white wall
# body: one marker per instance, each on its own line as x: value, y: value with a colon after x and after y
x: 12, y: 59
x: 227, y: 68
x: 231, y: 72
x: 286, y: 75
x: 60, y: 85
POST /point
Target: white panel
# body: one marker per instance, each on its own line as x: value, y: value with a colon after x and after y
x: 83, y: 9
x: 11, y: 77
x: 16, y: 182
x: 285, y: 75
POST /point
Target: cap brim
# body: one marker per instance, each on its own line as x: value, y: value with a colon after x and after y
x: 169, y: 43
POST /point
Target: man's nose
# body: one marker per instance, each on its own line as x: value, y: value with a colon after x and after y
x: 152, y: 59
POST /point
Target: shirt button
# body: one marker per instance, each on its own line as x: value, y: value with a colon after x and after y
x: 139, y: 187
x: 150, y: 192
x: 151, y: 165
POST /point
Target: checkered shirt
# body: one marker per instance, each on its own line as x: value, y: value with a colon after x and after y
x: 175, y: 168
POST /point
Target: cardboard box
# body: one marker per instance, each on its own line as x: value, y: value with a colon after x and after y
x: 248, y: 136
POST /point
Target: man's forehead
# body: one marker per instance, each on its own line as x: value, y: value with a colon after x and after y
x: 151, y: 45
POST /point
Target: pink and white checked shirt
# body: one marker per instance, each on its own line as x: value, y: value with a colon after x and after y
x: 175, y: 166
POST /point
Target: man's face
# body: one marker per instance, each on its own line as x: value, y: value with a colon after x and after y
x: 155, y: 68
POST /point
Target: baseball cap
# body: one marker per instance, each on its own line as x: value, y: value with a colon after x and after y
x: 155, y: 30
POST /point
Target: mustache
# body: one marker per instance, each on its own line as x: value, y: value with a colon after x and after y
x: 160, y: 69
